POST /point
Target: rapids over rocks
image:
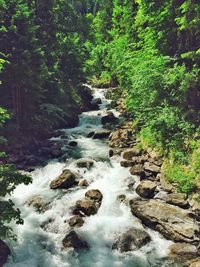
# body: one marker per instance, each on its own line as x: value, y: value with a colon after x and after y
x: 46, y: 212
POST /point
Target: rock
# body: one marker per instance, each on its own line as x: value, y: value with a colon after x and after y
x: 65, y: 181
x: 101, y: 134
x: 87, y: 207
x: 146, y: 189
x: 131, y: 152
x: 97, y: 101
x: 76, y: 221
x: 137, y: 170
x: 72, y: 240
x: 121, y: 198
x: 73, y: 143
x: 151, y: 167
x: 126, y: 163
x: 56, y: 153
x: 85, y: 163
x: 165, y: 184
x: 121, y: 138
x: 131, y: 240
x: 90, y: 134
x: 94, y: 195
x: 183, y: 251
x: 83, y: 183
x: 4, y: 253
x: 194, y: 203
x: 38, y: 203
x: 195, y: 263
x: 177, y: 199
x: 173, y: 222
x: 108, y: 118
x: 111, y: 152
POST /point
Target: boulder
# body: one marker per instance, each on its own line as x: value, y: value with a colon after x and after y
x: 85, y: 163
x: 111, y: 153
x: 72, y: 240
x: 87, y: 207
x: 127, y: 163
x: 73, y: 143
x: 4, y: 253
x: 177, y: 199
x: 173, y: 222
x: 76, y: 221
x: 38, y: 203
x: 150, y: 167
x: 121, y: 138
x: 165, y: 184
x: 101, y: 134
x: 183, y: 251
x: 94, y: 195
x: 131, y: 240
x: 137, y: 170
x: 83, y: 183
x: 195, y: 263
x: 146, y: 189
x: 65, y: 181
x: 108, y: 118
x: 131, y: 152
x: 90, y: 134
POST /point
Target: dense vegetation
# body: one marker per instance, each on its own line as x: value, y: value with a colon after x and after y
x: 151, y: 49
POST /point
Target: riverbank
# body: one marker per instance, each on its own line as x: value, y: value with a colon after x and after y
x: 77, y: 210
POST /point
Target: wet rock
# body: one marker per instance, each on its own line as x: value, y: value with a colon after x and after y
x: 132, y: 240
x: 101, y: 134
x: 111, y: 153
x: 137, y: 170
x: 96, y: 102
x: 126, y: 163
x: 183, y: 251
x: 85, y: 163
x: 72, y: 240
x: 87, y: 207
x: 173, y: 222
x: 56, y: 153
x: 38, y: 203
x: 73, y: 143
x: 177, y: 199
x: 131, y: 152
x: 76, y: 221
x: 94, y: 195
x: 4, y: 253
x: 108, y: 118
x: 146, y: 189
x: 65, y: 181
x: 83, y: 183
x: 90, y: 134
x: 121, y: 198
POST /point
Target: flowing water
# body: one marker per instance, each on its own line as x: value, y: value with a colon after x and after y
x: 39, y: 241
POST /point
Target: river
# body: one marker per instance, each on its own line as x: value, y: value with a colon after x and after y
x: 39, y: 241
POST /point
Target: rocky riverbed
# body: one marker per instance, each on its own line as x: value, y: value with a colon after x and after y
x: 103, y: 201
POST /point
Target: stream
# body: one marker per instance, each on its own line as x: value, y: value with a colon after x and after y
x: 39, y: 242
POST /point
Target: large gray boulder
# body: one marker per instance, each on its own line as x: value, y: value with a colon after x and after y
x: 65, y: 181
x: 94, y: 195
x: 86, y: 207
x: 173, y: 222
x: 131, y: 240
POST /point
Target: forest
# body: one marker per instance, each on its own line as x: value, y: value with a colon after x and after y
x: 149, y: 50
